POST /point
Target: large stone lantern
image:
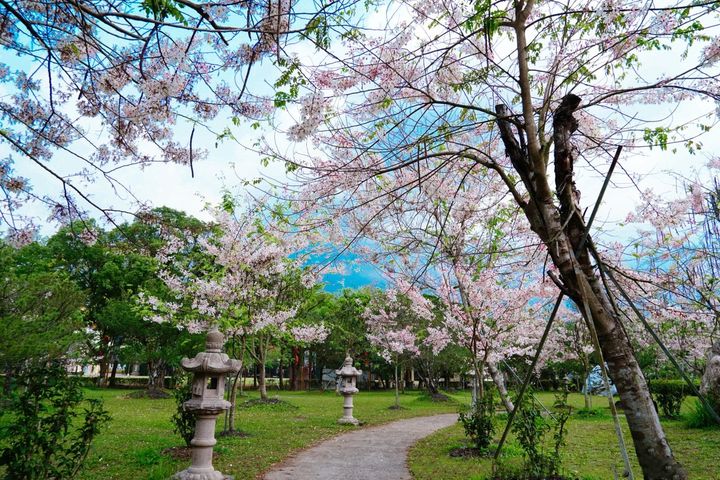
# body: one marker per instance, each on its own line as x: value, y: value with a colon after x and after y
x: 209, y: 369
x: 348, y: 387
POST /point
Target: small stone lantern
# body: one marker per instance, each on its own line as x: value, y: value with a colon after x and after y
x: 348, y: 381
x: 209, y: 369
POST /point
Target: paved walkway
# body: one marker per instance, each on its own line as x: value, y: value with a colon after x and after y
x: 374, y: 453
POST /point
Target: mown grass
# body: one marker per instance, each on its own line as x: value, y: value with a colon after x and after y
x: 131, y: 446
x: 591, y: 453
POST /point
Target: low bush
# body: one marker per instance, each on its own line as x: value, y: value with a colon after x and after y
x: 531, y: 428
x: 183, y: 421
x: 479, y: 422
x: 51, y: 426
x: 669, y: 395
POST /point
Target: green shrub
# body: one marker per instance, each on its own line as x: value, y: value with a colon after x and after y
x: 50, y: 426
x: 530, y: 428
x: 183, y: 421
x: 669, y: 394
x: 479, y: 422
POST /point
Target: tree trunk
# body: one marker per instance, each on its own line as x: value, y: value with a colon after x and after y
x: 562, y: 231
x: 233, y: 400
x: 499, y: 381
x: 102, y: 376
x: 243, y: 371
x: 262, y: 386
x: 156, y: 375
x: 295, y: 369
x: 280, y: 373
x: 397, y: 387
x: 586, y: 373
x: 710, y: 384
x: 112, y: 374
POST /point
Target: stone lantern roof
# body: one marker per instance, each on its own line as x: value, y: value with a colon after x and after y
x: 212, y: 360
x: 348, y: 370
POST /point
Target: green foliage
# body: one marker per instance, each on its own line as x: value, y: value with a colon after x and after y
x: 700, y: 417
x: 162, y: 9
x: 531, y: 428
x: 669, y: 394
x: 479, y: 422
x: 657, y: 137
x: 40, y: 309
x: 51, y: 426
x: 183, y: 421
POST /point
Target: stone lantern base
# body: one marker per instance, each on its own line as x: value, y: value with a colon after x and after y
x: 349, y: 421
x: 190, y: 475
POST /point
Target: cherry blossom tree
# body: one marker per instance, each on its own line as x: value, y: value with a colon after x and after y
x: 245, y: 282
x: 500, y: 91
x: 390, y: 330
x: 675, y: 267
x: 92, y: 88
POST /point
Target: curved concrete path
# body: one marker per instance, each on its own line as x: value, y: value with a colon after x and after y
x: 374, y: 453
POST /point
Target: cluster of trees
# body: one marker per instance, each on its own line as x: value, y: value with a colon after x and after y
x: 74, y: 296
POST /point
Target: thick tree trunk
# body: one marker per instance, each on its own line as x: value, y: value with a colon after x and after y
x: 710, y: 384
x: 499, y: 381
x: 562, y: 231
x: 102, y: 376
x: 156, y: 375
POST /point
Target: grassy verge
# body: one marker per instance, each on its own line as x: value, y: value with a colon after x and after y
x: 132, y: 444
x: 591, y: 452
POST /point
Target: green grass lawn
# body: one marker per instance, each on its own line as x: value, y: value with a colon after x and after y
x: 591, y: 452
x: 131, y: 446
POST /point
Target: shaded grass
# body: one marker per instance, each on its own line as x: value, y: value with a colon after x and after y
x: 132, y: 445
x: 592, y: 451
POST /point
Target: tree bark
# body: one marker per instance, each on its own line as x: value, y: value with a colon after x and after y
x: 499, y: 381
x: 710, y: 384
x: 562, y: 230
x: 295, y: 369
x: 262, y: 387
x: 397, y: 387
x: 113, y: 373
x: 280, y: 372
x: 156, y: 375
x: 233, y: 400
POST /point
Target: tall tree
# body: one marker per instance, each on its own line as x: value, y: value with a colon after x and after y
x: 40, y: 309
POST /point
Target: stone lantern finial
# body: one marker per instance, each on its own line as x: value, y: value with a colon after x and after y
x: 215, y: 341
